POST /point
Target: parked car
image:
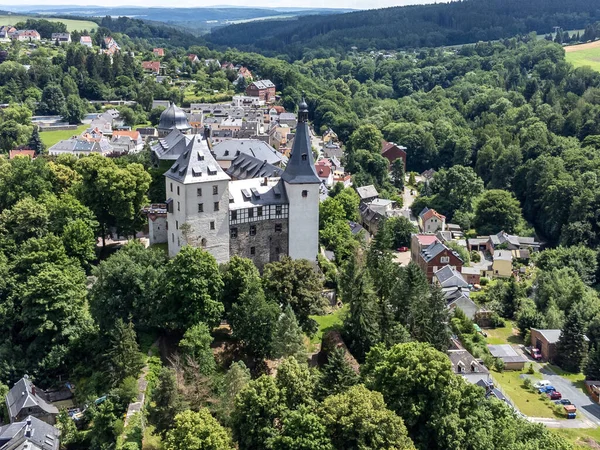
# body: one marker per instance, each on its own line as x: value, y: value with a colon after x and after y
x: 546, y: 389
x: 541, y: 384
x: 554, y: 395
x: 534, y: 353
x: 564, y: 401
x: 403, y: 249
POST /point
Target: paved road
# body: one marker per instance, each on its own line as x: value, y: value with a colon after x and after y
x: 585, y: 405
x: 582, y: 422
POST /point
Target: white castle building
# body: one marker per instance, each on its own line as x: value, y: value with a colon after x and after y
x: 261, y: 219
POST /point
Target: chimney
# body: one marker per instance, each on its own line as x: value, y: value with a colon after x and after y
x: 32, y: 389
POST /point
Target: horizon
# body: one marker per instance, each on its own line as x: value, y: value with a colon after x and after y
x: 185, y: 4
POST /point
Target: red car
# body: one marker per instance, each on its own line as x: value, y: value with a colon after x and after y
x: 403, y: 249
x: 554, y: 395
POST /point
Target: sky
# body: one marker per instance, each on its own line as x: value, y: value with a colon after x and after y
x: 357, y: 4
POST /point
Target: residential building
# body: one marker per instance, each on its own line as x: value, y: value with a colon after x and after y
x: 472, y: 275
x: 503, y: 240
x: 193, y: 58
x: 435, y: 256
x: 288, y: 119
x: 512, y: 359
x: 263, y: 89
x: 367, y: 193
x: 329, y: 136
x: 465, y: 365
x: 374, y: 212
x: 392, y: 152
x: 86, y: 41
x: 502, y: 265
x: 431, y: 221
x: 262, y: 218
x: 7, y: 31
x: 151, y: 67
x: 160, y: 52
x: 81, y: 146
x: 24, y: 399
x: 127, y: 141
x: 545, y: 341
x: 229, y: 149
x: 428, y: 174
x: 244, y: 72
x: 26, y: 35
x: 212, y: 62
x: 62, y: 38
x: 29, y: 434
x: 418, y: 242
x: 21, y: 152
x: 325, y: 172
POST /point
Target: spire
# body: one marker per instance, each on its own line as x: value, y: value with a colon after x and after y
x: 301, y: 166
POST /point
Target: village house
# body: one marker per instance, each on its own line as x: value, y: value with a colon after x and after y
x: 24, y: 399
x: 110, y: 46
x: 61, y: 38
x: 288, y: 119
x: 81, y: 146
x: 159, y: 52
x: 212, y: 62
x: 29, y: 434
x: 502, y: 240
x: 392, y: 152
x: 367, y: 193
x: 151, y: 67
x: 465, y: 365
x: 436, y: 256
x: 329, y: 136
x: 418, y: 242
x: 7, y: 31
x: 127, y: 141
x: 26, y: 35
x: 86, y: 41
x: 472, y: 275
x: 502, y: 265
x: 512, y: 359
x: 193, y: 58
x: 431, y: 221
x: 374, y: 212
x: 263, y: 89
x: 244, y: 72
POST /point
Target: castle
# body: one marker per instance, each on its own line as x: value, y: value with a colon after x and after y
x: 261, y: 219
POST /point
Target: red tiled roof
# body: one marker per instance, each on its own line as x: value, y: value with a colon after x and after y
x: 426, y: 239
x: 135, y: 135
x: 322, y: 170
x: 21, y: 152
x: 154, y: 66
x: 159, y: 51
x: 432, y: 213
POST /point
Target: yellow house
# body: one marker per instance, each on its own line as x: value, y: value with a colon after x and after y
x: 502, y: 265
x: 329, y: 136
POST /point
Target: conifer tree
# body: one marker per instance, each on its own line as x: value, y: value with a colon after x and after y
x: 123, y: 358
x: 592, y: 368
x: 35, y: 142
x: 167, y: 402
x: 571, y: 348
x: 336, y: 375
x: 289, y: 338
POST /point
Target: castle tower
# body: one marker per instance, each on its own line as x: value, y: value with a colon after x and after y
x: 302, y: 188
x: 173, y: 118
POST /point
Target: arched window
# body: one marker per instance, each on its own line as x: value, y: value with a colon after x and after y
x: 203, y: 242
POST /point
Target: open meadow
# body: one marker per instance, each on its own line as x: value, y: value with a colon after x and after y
x: 584, y: 55
x: 72, y: 25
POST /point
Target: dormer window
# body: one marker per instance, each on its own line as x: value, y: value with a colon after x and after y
x: 304, y: 157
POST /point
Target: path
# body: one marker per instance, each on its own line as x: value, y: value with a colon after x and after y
x: 137, y: 406
x: 557, y: 423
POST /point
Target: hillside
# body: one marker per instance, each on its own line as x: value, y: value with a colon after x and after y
x: 409, y: 27
x: 72, y: 24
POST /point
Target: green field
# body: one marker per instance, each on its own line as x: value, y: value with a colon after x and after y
x: 589, y: 57
x: 49, y: 138
x: 72, y: 25
x: 528, y: 402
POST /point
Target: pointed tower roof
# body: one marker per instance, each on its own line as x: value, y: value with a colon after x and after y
x: 196, y: 164
x: 301, y: 166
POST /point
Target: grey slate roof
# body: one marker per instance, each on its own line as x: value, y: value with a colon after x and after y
x: 301, y: 166
x: 23, y: 395
x: 551, y: 336
x: 230, y: 149
x: 365, y: 192
x: 243, y: 193
x: 263, y: 84
x: 246, y: 166
x: 435, y: 249
x: 449, y: 277
x: 31, y: 434
x: 196, y: 164
x: 506, y: 353
x: 171, y: 146
x: 502, y: 255
x: 173, y: 118
x: 466, y: 360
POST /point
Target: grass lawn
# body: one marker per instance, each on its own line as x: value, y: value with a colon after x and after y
x: 528, y: 402
x: 326, y: 323
x: 580, y: 437
x: 504, y: 335
x: 72, y: 25
x: 590, y: 57
x: 49, y: 138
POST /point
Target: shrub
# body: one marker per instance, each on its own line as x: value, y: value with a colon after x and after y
x: 488, y: 361
x: 496, y: 320
x: 528, y: 383
x: 499, y: 365
x: 530, y: 370
x: 484, y: 281
x: 475, y: 256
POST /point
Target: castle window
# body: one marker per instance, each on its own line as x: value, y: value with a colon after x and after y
x: 171, y: 187
x: 278, y: 210
x: 252, y: 230
x: 277, y: 251
x: 177, y: 190
x: 304, y: 193
x: 199, y: 192
x: 178, y: 206
x: 250, y: 212
x: 233, y: 233
x: 259, y: 211
x: 253, y: 250
x: 177, y: 224
x: 233, y: 215
x: 167, y: 226
x: 200, y: 207
x: 173, y: 237
x: 216, y: 206
x: 278, y: 228
x: 215, y: 190
x: 212, y: 225
x: 203, y: 242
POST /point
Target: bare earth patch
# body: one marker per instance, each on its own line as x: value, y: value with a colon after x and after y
x: 580, y: 47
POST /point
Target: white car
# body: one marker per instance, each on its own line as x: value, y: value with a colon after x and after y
x: 541, y: 384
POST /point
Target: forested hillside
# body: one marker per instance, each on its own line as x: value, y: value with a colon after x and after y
x: 459, y: 22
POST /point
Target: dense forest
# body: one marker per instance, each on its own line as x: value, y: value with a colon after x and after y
x: 409, y: 27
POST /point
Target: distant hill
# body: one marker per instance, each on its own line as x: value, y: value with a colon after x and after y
x: 431, y: 25
x: 199, y: 20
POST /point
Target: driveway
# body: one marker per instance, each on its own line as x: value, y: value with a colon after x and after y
x: 407, y: 201
x: 585, y: 405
